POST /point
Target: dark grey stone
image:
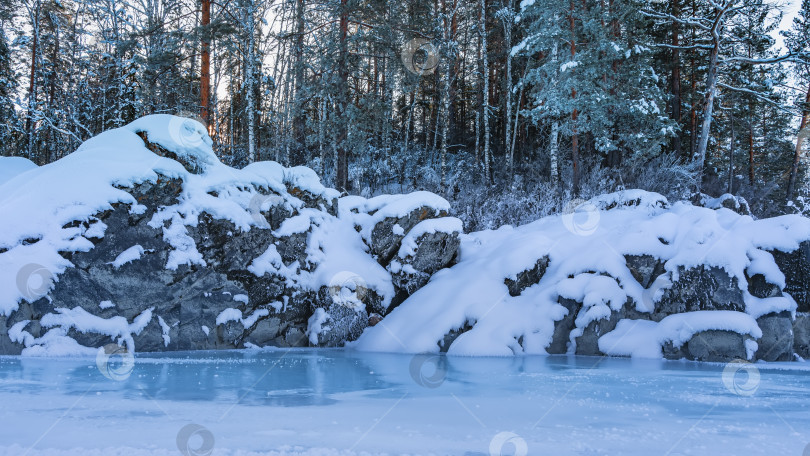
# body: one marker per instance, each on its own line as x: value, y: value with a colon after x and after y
x: 796, y: 267
x: 776, y: 343
x: 801, y: 335
x: 701, y: 288
x: 717, y: 346
x: 527, y: 278
x: 563, y: 327
x: 644, y: 268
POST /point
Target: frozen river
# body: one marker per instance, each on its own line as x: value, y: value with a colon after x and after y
x: 342, y: 402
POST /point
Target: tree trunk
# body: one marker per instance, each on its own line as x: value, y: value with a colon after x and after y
x: 342, y: 175
x: 299, y: 120
x: 676, y: 77
x: 32, y: 86
x: 251, y: 78
x: 731, y: 154
x: 751, y: 153
x: 804, y: 135
x: 575, y: 135
x: 706, y: 126
x: 445, y: 94
x: 553, y: 153
x: 485, y: 73
x: 507, y: 33
x: 205, y: 63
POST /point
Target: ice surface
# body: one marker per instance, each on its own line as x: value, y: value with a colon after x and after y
x: 336, y: 402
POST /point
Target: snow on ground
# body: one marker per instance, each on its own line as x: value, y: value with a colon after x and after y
x: 587, y: 247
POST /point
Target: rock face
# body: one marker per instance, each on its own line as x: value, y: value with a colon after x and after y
x: 801, y: 335
x: 716, y: 346
x: 268, y: 285
x: 702, y: 288
x: 796, y: 267
x: 776, y: 343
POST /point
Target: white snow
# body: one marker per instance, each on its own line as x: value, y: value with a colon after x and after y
x: 164, y: 328
x: 11, y: 167
x: 368, y: 212
x: 129, y: 255
x: 315, y: 325
x: 56, y: 343
x: 641, y: 338
x: 232, y: 314
x: 429, y: 226
x: 106, y: 304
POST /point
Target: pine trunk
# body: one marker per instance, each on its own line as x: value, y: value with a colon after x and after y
x: 342, y: 175
x: 205, y: 63
x: 804, y: 135
x: 251, y: 78
x: 299, y: 121
x: 676, y: 77
x: 485, y: 75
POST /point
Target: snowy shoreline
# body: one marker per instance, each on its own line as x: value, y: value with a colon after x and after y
x: 143, y: 239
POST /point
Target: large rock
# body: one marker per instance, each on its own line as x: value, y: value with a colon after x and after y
x: 776, y: 343
x: 386, y: 239
x: 563, y: 327
x: 588, y: 342
x: 701, y: 288
x: 644, y: 268
x: 186, y: 304
x: 801, y: 335
x: 527, y: 278
x: 796, y: 267
x: 435, y: 250
x: 717, y: 346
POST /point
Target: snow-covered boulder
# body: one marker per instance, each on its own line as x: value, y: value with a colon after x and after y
x: 142, y: 237
x: 728, y: 201
x: 11, y: 167
x: 795, y: 264
x: 624, y: 274
x: 410, y: 235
